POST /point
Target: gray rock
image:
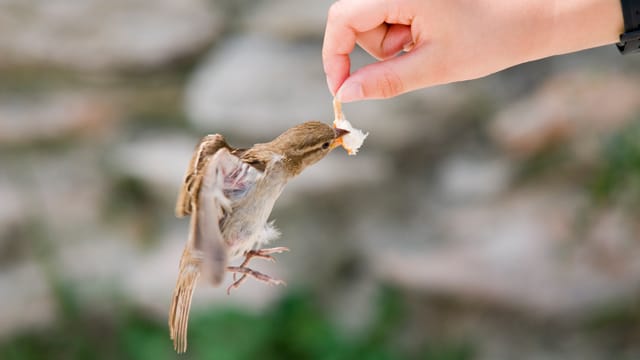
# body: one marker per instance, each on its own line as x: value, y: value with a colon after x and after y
x: 575, y: 107
x: 98, y: 35
x: 469, y: 177
x: 48, y: 117
x: 27, y: 300
x: 12, y: 207
x: 158, y: 159
x: 257, y: 87
x: 65, y: 191
x: 97, y: 259
x: 338, y: 173
x: 45, y: 195
x: 520, y: 252
x: 288, y: 19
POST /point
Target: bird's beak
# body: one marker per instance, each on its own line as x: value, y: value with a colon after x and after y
x: 339, y: 133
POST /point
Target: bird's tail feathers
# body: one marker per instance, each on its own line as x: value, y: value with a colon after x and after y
x: 181, y: 301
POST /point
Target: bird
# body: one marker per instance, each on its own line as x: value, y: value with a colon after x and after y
x: 229, y: 194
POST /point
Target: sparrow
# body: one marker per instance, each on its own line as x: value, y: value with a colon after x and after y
x: 229, y: 194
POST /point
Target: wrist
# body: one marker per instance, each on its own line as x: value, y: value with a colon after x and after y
x: 582, y: 24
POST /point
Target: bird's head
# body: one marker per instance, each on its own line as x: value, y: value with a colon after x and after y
x: 307, y: 143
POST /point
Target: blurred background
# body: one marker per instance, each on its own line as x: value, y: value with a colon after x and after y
x: 492, y: 219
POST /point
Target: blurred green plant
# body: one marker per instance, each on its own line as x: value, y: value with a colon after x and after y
x: 133, y: 205
x: 543, y: 163
x: 617, y: 324
x: 293, y: 329
x: 619, y: 176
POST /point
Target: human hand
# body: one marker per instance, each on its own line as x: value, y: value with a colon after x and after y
x: 454, y: 40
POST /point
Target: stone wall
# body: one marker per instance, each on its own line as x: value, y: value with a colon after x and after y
x: 499, y: 208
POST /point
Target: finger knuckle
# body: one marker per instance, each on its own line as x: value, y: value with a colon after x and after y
x: 390, y: 84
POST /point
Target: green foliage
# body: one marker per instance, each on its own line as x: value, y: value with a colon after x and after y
x: 293, y: 329
x: 622, y: 315
x: 448, y: 352
x: 619, y: 175
x: 130, y: 194
x: 543, y: 163
x: 132, y: 204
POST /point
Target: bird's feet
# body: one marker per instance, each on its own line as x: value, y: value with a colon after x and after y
x: 245, y: 271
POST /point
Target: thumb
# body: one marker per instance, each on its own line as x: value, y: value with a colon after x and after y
x: 389, y: 78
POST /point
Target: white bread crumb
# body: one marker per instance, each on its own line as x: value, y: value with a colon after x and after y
x: 354, y: 139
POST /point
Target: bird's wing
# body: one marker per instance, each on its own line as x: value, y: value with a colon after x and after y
x: 225, y: 180
x: 219, y: 180
x: 208, y: 146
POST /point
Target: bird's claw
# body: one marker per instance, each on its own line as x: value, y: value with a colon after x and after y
x: 262, y: 254
x: 259, y: 253
x: 250, y: 272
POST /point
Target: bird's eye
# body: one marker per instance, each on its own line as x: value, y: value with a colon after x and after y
x: 325, y: 146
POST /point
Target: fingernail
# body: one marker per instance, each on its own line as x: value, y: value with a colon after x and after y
x: 408, y: 46
x: 351, y: 91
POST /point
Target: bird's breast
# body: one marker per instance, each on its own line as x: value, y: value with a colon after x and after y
x: 247, y: 225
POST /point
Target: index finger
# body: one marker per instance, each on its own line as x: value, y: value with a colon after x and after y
x: 347, y: 18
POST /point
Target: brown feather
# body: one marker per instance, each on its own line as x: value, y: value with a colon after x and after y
x: 208, y: 146
x: 182, y: 296
x: 256, y: 157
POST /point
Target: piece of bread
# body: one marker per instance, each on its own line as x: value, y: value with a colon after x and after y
x: 354, y: 139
